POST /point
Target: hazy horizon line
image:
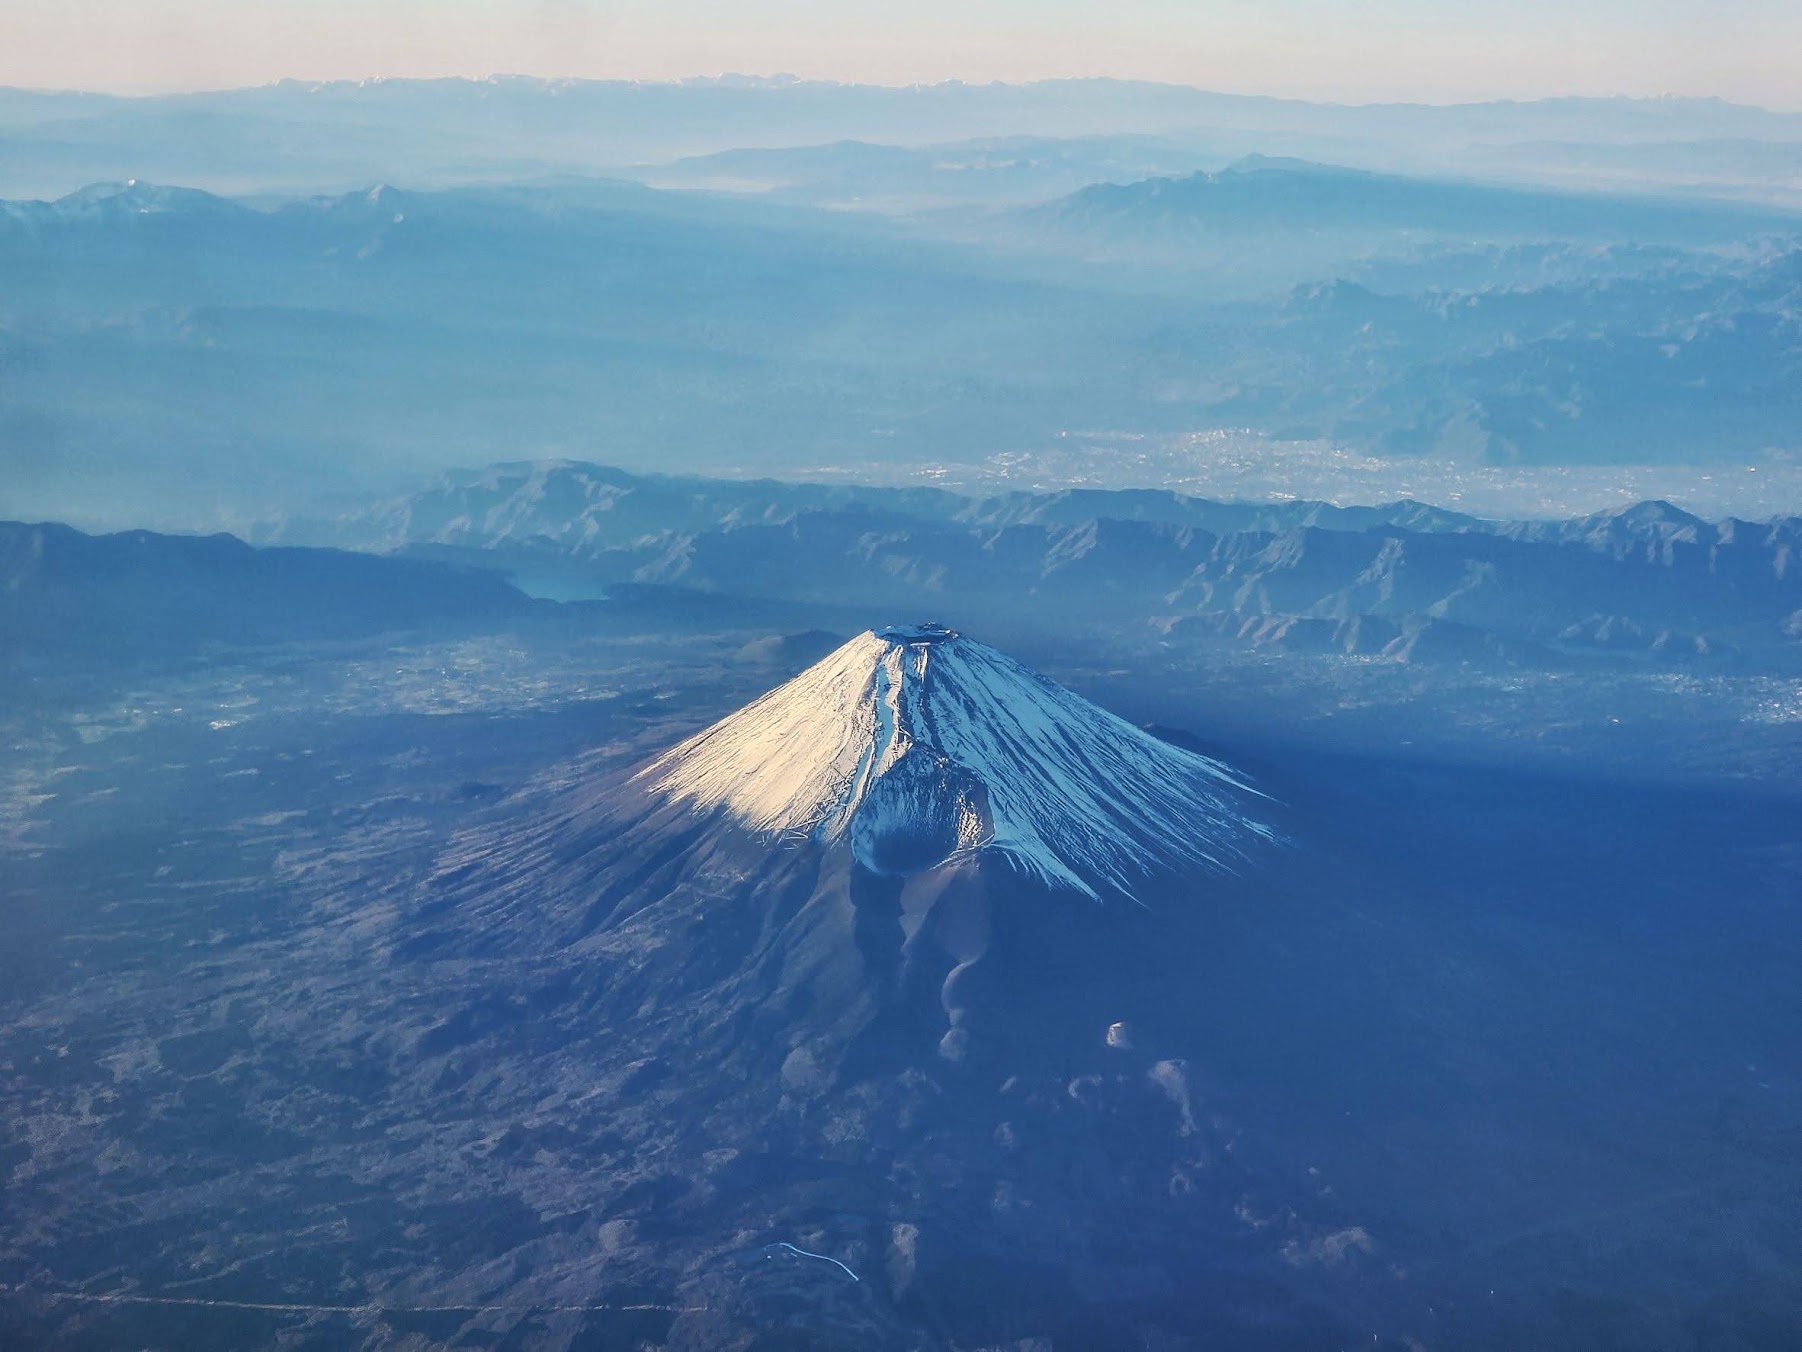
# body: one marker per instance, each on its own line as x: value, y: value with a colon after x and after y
x: 780, y: 79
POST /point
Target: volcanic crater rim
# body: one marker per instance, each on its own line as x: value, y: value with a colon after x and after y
x: 910, y: 634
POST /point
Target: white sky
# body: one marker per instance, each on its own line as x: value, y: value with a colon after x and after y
x: 1358, y: 50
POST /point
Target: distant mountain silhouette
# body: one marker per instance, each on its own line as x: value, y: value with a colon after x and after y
x: 1649, y: 578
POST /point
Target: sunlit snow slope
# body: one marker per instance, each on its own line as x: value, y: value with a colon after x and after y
x: 917, y: 745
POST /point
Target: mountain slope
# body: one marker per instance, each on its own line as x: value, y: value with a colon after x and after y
x: 138, y: 594
x: 919, y: 746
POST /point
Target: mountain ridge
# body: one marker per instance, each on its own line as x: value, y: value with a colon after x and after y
x: 1260, y: 192
x: 1647, y: 580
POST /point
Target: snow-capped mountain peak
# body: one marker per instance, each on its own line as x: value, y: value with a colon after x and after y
x: 917, y: 745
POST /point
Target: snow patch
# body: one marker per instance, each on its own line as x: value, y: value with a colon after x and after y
x: 917, y: 745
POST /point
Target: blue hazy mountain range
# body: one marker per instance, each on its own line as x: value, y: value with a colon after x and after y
x: 874, y: 176
x: 369, y: 337
x: 137, y: 595
x: 295, y: 134
x: 1650, y: 582
x: 1177, y: 216
x: 1651, y: 586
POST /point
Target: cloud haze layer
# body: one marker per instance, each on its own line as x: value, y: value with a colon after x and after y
x: 1391, y: 50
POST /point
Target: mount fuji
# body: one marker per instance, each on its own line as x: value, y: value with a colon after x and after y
x: 918, y: 746
x: 852, y: 974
